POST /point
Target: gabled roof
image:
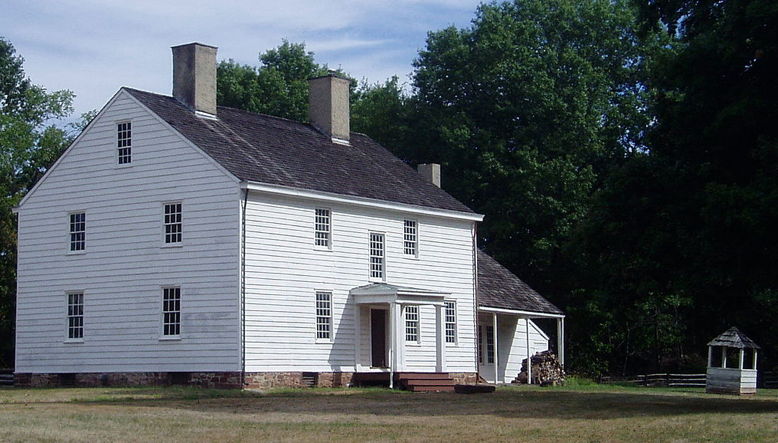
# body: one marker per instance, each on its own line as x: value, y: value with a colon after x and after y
x: 500, y: 288
x: 733, y: 338
x: 271, y: 150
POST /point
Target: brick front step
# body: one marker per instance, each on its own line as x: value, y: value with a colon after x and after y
x: 426, y: 381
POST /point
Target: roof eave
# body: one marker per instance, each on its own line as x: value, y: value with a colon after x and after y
x: 359, y: 201
x: 520, y: 312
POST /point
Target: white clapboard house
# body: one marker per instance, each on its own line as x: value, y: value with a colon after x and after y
x: 180, y: 241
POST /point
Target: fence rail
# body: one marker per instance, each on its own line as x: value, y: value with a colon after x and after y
x: 767, y: 380
x: 667, y: 379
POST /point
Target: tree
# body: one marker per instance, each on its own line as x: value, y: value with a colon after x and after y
x: 279, y: 86
x: 529, y: 108
x: 29, y: 144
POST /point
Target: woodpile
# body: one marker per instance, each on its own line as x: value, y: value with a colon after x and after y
x: 546, y: 370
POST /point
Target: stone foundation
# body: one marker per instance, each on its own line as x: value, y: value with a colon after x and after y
x: 464, y: 378
x: 222, y: 380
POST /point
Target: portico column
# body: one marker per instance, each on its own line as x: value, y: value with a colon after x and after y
x: 440, y: 317
x: 529, y: 352
x: 357, y: 337
x: 399, y: 338
x: 392, y: 333
x: 494, y: 340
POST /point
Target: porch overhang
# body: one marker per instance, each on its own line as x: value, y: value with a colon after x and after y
x: 386, y: 293
x: 519, y: 313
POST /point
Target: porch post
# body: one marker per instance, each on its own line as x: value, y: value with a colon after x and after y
x: 754, y: 359
x: 723, y: 356
x: 440, y: 329
x: 494, y: 340
x: 560, y: 340
x: 529, y: 352
x: 392, y: 331
x: 357, y: 337
x: 710, y: 356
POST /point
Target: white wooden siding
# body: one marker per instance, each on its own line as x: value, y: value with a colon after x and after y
x: 284, y: 269
x: 124, y: 266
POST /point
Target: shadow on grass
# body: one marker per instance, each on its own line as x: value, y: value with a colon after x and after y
x: 509, y: 403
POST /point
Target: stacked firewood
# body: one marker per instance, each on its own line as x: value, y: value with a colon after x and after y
x: 546, y: 370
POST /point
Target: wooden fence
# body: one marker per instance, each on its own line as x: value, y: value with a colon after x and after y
x: 666, y: 379
x: 6, y: 377
x: 767, y: 380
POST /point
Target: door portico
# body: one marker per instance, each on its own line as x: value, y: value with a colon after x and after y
x: 393, y: 301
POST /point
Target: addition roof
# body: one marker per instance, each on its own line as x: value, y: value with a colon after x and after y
x: 270, y: 150
x: 500, y: 288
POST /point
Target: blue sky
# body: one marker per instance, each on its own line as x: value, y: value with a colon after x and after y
x: 93, y: 47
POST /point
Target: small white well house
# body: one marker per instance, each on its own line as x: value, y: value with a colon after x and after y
x: 731, y: 364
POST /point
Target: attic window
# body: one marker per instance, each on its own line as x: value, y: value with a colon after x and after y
x: 124, y: 142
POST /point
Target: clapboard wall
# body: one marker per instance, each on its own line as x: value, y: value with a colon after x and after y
x: 284, y: 270
x: 125, y: 265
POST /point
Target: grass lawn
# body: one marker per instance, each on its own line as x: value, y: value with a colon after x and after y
x: 573, y: 413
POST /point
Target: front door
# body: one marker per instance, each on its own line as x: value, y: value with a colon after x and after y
x: 378, y: 337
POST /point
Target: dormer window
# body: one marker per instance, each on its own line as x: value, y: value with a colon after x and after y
x: 124, y: 142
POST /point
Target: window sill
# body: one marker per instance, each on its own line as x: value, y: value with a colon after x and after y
x: 73, y: 341
x: 322, y: 249
x: 324, y: 341
x: 123, y: 165
x: 410, y: 257
x: 170, y: 338
x: 172, y: 245
x: 415, y: 344
x: 76, y: 253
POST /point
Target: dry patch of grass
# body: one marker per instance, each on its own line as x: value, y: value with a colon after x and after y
x: 579, y: 413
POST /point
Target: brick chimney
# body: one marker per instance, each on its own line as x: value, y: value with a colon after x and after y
x: 430, y: 172
x: 194, y: 77
x: 328, y: 106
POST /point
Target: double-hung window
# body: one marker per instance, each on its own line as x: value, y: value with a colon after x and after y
x: 451, y: 321
x: 377, y: 257
x: 412, y: 324
x: 322, y: 228
x: 75, y: 316
x: 171, y: 311
x: 124, y: 142
x: 323, y: 315
x: 410, y: 238
x: 77, y: 231
x: 173, y: 223
x: 489, y: 344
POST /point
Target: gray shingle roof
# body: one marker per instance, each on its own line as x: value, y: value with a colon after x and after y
x: 271, y: 150
x: 500, y: 288
x: 733, y: 338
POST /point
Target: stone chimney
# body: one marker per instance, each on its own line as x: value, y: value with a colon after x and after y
x: 194, y: 77
x: 328, y: 106
x: 430, y: 172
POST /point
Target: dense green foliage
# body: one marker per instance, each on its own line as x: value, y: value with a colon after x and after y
x: 29, y: 143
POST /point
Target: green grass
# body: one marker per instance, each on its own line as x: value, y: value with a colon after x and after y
x: 580, y: 411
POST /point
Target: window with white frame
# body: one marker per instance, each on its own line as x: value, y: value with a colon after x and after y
x: 412, y: 324
x: 124, y: 142
x: 77, y: 231
x: 377, y: 262
x: 490, y: 344
x: 323, y: 315
x: 75, y: 315
x: 171, y: 311
x: 410, y: 238
x: 173, y: 224
x: 451, y: 321
x: 322, y: 228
